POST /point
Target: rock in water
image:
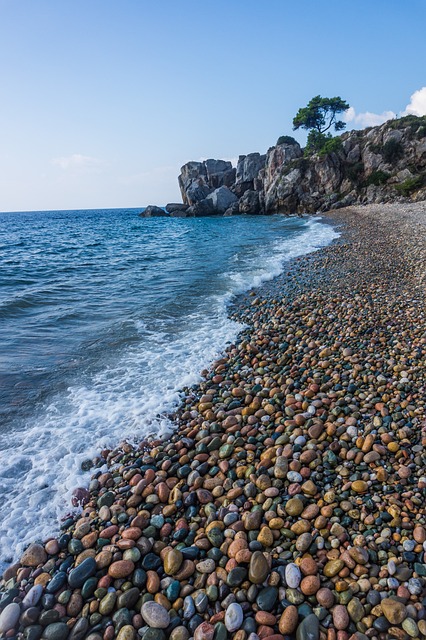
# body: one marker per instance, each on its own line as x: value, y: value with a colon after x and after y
x: 151, y: 211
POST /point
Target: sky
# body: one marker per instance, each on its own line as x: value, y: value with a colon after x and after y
x: 102, y: 101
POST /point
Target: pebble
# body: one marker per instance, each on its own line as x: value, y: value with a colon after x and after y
x: 155, y: 615
x: 289, y: 620
x: 234, y: 617
x: 9, y: 617
x: 291, y: 494
x: 258, y: 568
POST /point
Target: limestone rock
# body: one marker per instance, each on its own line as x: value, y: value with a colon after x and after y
x: 221, y: 199
x: 151, y: 211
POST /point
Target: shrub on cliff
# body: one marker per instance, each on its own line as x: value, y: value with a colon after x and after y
x: 377, y: 178
x: 322, y: 144
x: 286, y: 140
x: 392, y: 151
x: 411, y: 184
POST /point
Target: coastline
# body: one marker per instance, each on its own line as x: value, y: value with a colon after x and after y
x: 292, y: 494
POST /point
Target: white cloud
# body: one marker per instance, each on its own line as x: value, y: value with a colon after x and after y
x: 76, y: 161
x: 368, y: 119
x: 417, y: 105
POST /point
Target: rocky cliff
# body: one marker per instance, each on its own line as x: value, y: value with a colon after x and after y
x: 379, y: 164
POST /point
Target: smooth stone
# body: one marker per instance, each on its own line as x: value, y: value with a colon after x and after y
x: 151, y: 562
x: 79, y: 630
x: 220, y: 631
x: 355, y: 609
x: 179, y: 633
x: 188, y: 608
x: 34, y: 555
x: 9, y: 617
x: 289, y: 620
x: 267, y: 598
x: 333, y: 567
x: 258, y: 568
x: 106, y: 500
x: 89, y: 587
x: 121, y: 569
x: 107, y: 603
x: 236, y: 576
x: 127, y: 632
x: 58, y: 581
x: 56, y: 631
x: 409, y: 625
x: 415, y: 586
x: 234, y: 617
x: 173, y: 561
x: 154, y: 634
x: 79, y: 575
x: 155, y: 615
x: 33, y: 596
x: 293, y: 575
x: 308, y: 629
x: 173, y: 590
x: 30, y: 616
x: 33, y: 632
x: 393, y: 610
x: 340, y: 617
x: 128, y: 599
x: 48, y: 617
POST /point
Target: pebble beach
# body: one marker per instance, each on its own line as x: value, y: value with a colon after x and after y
x: 290, y: 501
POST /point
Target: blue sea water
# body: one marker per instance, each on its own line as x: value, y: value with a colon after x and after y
x: 104, y: 317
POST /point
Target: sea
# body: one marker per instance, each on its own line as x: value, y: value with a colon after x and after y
x: 105, y: 317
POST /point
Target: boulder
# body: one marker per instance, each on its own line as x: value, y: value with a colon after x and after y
x: 153, y: 211
x: 250, y: 203
x: 198, y: 179
x: 233, y: 210
x: 248, y: 167
x: 219, y: 173
x: 174, y: 207
x: 221, y: 199
x: 202, y: 208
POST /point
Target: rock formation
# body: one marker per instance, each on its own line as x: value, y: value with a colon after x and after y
x: 379, y: 164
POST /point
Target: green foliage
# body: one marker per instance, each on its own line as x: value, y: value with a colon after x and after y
x: 377, y: 178
x: 286, y: 140
x: 320, y: 114
x: 331, y: 145
x: 414, y: 122
x: 410, y: 185
x: 321, y: 143
x: 354, y: 171
x: 392, y: 151
x: 375, y: 148
x: 421, y: 132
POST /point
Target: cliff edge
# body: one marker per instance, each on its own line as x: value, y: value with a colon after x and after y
x: 375, y: 165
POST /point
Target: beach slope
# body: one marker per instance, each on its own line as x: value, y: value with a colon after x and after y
x: 290, y: 502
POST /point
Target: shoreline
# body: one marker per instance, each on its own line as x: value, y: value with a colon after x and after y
x: 291, y: 497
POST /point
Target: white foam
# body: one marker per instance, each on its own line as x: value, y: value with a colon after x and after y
x: 41, y: 464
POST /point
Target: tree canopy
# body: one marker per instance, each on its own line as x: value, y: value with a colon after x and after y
x: 320, y: 114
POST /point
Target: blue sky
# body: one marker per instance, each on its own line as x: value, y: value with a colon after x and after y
x: 102, y: 101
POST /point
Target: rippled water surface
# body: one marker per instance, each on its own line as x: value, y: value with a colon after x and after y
x: 104, y: 316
